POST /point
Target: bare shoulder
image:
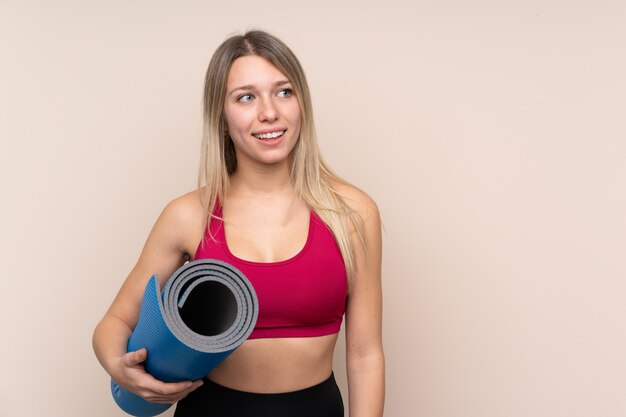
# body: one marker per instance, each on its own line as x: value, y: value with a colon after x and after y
x: 182, y: 221
x: 358, y: 200
x: 186, y: 209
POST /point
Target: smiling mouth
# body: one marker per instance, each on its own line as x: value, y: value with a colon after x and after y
x: 270, y: 135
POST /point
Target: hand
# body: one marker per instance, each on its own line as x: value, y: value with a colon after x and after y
x: 134, y: 378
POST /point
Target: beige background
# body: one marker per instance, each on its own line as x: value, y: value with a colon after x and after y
x: 491, y: 133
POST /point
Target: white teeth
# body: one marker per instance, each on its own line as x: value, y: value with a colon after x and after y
x: 272, y: 135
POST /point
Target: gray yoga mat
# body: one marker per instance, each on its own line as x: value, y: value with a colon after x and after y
x: 205, y: 311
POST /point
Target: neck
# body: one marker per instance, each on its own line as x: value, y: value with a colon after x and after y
x: 261, y: 179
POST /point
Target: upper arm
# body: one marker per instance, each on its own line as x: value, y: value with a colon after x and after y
x: 364, y: 304
x: 171, y: 240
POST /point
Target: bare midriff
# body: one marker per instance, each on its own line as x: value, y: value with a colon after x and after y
x: 277, y: 365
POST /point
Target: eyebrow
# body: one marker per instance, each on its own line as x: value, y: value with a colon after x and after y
x: 252, y: 87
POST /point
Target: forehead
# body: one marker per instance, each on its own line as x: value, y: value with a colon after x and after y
x: 253, y: 70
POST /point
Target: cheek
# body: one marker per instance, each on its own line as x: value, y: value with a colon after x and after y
x: 226, y: 118
x: 295, y: 116
x: 235, y: 120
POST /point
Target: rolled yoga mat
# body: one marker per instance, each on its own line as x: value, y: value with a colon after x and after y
x: 206, y: 310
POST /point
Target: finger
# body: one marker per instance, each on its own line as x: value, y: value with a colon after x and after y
x: 172, y: 398
x: 197, y: 384
x: 175, y: 398
x: 136, y: 357
x: 171, y: 388
x: 162, y: 400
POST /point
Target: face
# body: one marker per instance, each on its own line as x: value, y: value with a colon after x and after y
x: 261, y: 112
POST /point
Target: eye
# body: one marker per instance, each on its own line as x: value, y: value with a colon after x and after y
x: 286, y: 92
x: 244, y: 98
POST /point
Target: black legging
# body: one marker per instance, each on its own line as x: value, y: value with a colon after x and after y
x: 213, y: 400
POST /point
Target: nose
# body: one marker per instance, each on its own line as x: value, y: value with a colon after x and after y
x: 268, y: 111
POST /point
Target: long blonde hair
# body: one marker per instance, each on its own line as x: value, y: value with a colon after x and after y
x: 312, y: 178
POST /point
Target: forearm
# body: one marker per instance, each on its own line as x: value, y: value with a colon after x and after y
x: 110, y: 340
x: 366, y: 385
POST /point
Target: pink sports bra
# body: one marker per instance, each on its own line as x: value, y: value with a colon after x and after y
x: 303, y: 296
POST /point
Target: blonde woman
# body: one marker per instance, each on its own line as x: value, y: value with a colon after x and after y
x: 308, y: 241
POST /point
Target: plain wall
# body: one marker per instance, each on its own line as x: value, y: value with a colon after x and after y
x: 491, y: 134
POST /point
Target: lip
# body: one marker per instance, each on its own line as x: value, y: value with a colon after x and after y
x: 271, y: 142
x: 272, y: 130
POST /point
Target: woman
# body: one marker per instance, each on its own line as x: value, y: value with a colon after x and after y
x: 308, y: 241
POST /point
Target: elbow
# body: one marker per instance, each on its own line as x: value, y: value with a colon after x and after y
x: 366, y: 361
